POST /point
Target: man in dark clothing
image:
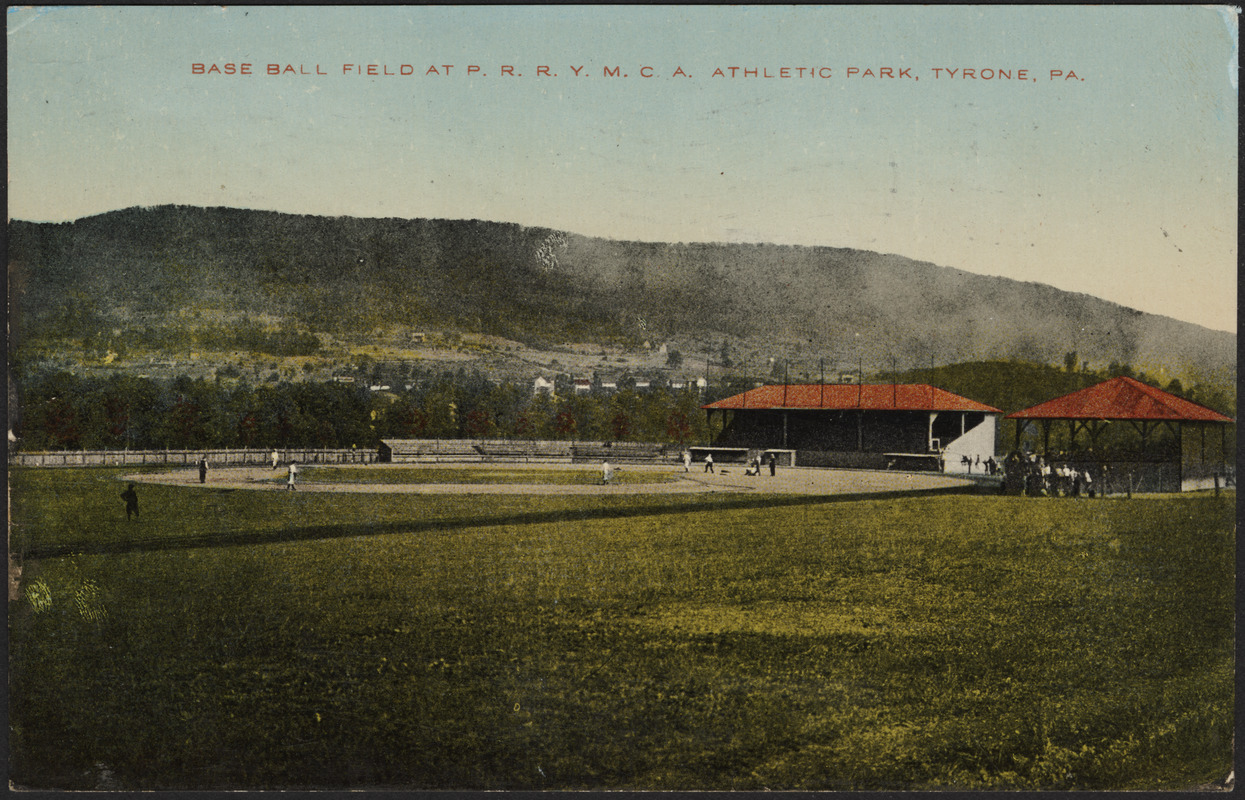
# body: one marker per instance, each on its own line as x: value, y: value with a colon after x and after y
x: 773, y: 464
x: 203, y: 468
x: 131, y: 502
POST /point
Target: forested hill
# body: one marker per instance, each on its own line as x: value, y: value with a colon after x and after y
x: 536, y: 285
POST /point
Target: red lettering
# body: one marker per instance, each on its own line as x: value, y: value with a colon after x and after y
x: 371, y: 69
x: 967, y: 73
x: 472, y: 69
x: 246, y: 69
x: 1054, y: 73
x: 784, y: 72
x: 576, y: 70
x: 612, y: 73
x: 646, y: 74
x: 406, y: 69
x: 196, y: 69
x: 274, y: 69
x: 506, y: 70
x: 679, y: 71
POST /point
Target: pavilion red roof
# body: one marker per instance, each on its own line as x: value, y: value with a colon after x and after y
x: 839, y: 396
x: 1121, y: 398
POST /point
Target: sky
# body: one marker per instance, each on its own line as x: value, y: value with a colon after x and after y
x: 1116, y: 177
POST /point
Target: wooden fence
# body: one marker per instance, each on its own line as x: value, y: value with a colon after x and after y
x: 109, y: 458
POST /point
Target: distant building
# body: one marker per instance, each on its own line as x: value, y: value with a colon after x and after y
x: 343, y: 379
x: 582, y: 386
x: 542, y: 386
x: 642, y: 386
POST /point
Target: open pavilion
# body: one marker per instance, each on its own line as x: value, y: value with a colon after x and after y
x: 1129, y: 431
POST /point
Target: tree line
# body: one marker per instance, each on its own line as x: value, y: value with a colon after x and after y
x: 61, y: 410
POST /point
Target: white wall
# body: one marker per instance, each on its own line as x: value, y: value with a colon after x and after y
x: 976, y: 442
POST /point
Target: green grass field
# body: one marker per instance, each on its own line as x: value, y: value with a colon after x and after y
x: 244, y: 639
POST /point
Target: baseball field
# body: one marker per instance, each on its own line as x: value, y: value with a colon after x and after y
x: 358, y: 632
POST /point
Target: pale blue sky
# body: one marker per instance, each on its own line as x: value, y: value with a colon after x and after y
x: 1121, y: 184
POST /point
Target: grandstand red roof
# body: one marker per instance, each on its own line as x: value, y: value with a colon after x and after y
x: 1121, y: 399
x: 839, y: 396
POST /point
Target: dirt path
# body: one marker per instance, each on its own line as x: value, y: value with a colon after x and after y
x: 666, y: 480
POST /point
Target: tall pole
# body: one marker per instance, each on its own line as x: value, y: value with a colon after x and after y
x: 822, y: 402
x: 860, y: 377
x: 784, y: 383
x: 894, y: 386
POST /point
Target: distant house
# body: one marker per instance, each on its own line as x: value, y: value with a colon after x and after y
x: 582, y: 386
x: 609, y: 386
x: 678, y: 385
x: 419, y: 338
x: 542, y: 386
x: 642, y: 386
x: 343, y: 379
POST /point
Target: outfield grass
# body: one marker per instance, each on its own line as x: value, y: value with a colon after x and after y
x: 251, y: 639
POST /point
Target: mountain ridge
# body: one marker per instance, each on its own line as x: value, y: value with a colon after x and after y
x: 747, y: 302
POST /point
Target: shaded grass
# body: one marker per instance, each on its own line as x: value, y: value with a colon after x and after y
x: 957, y: 641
